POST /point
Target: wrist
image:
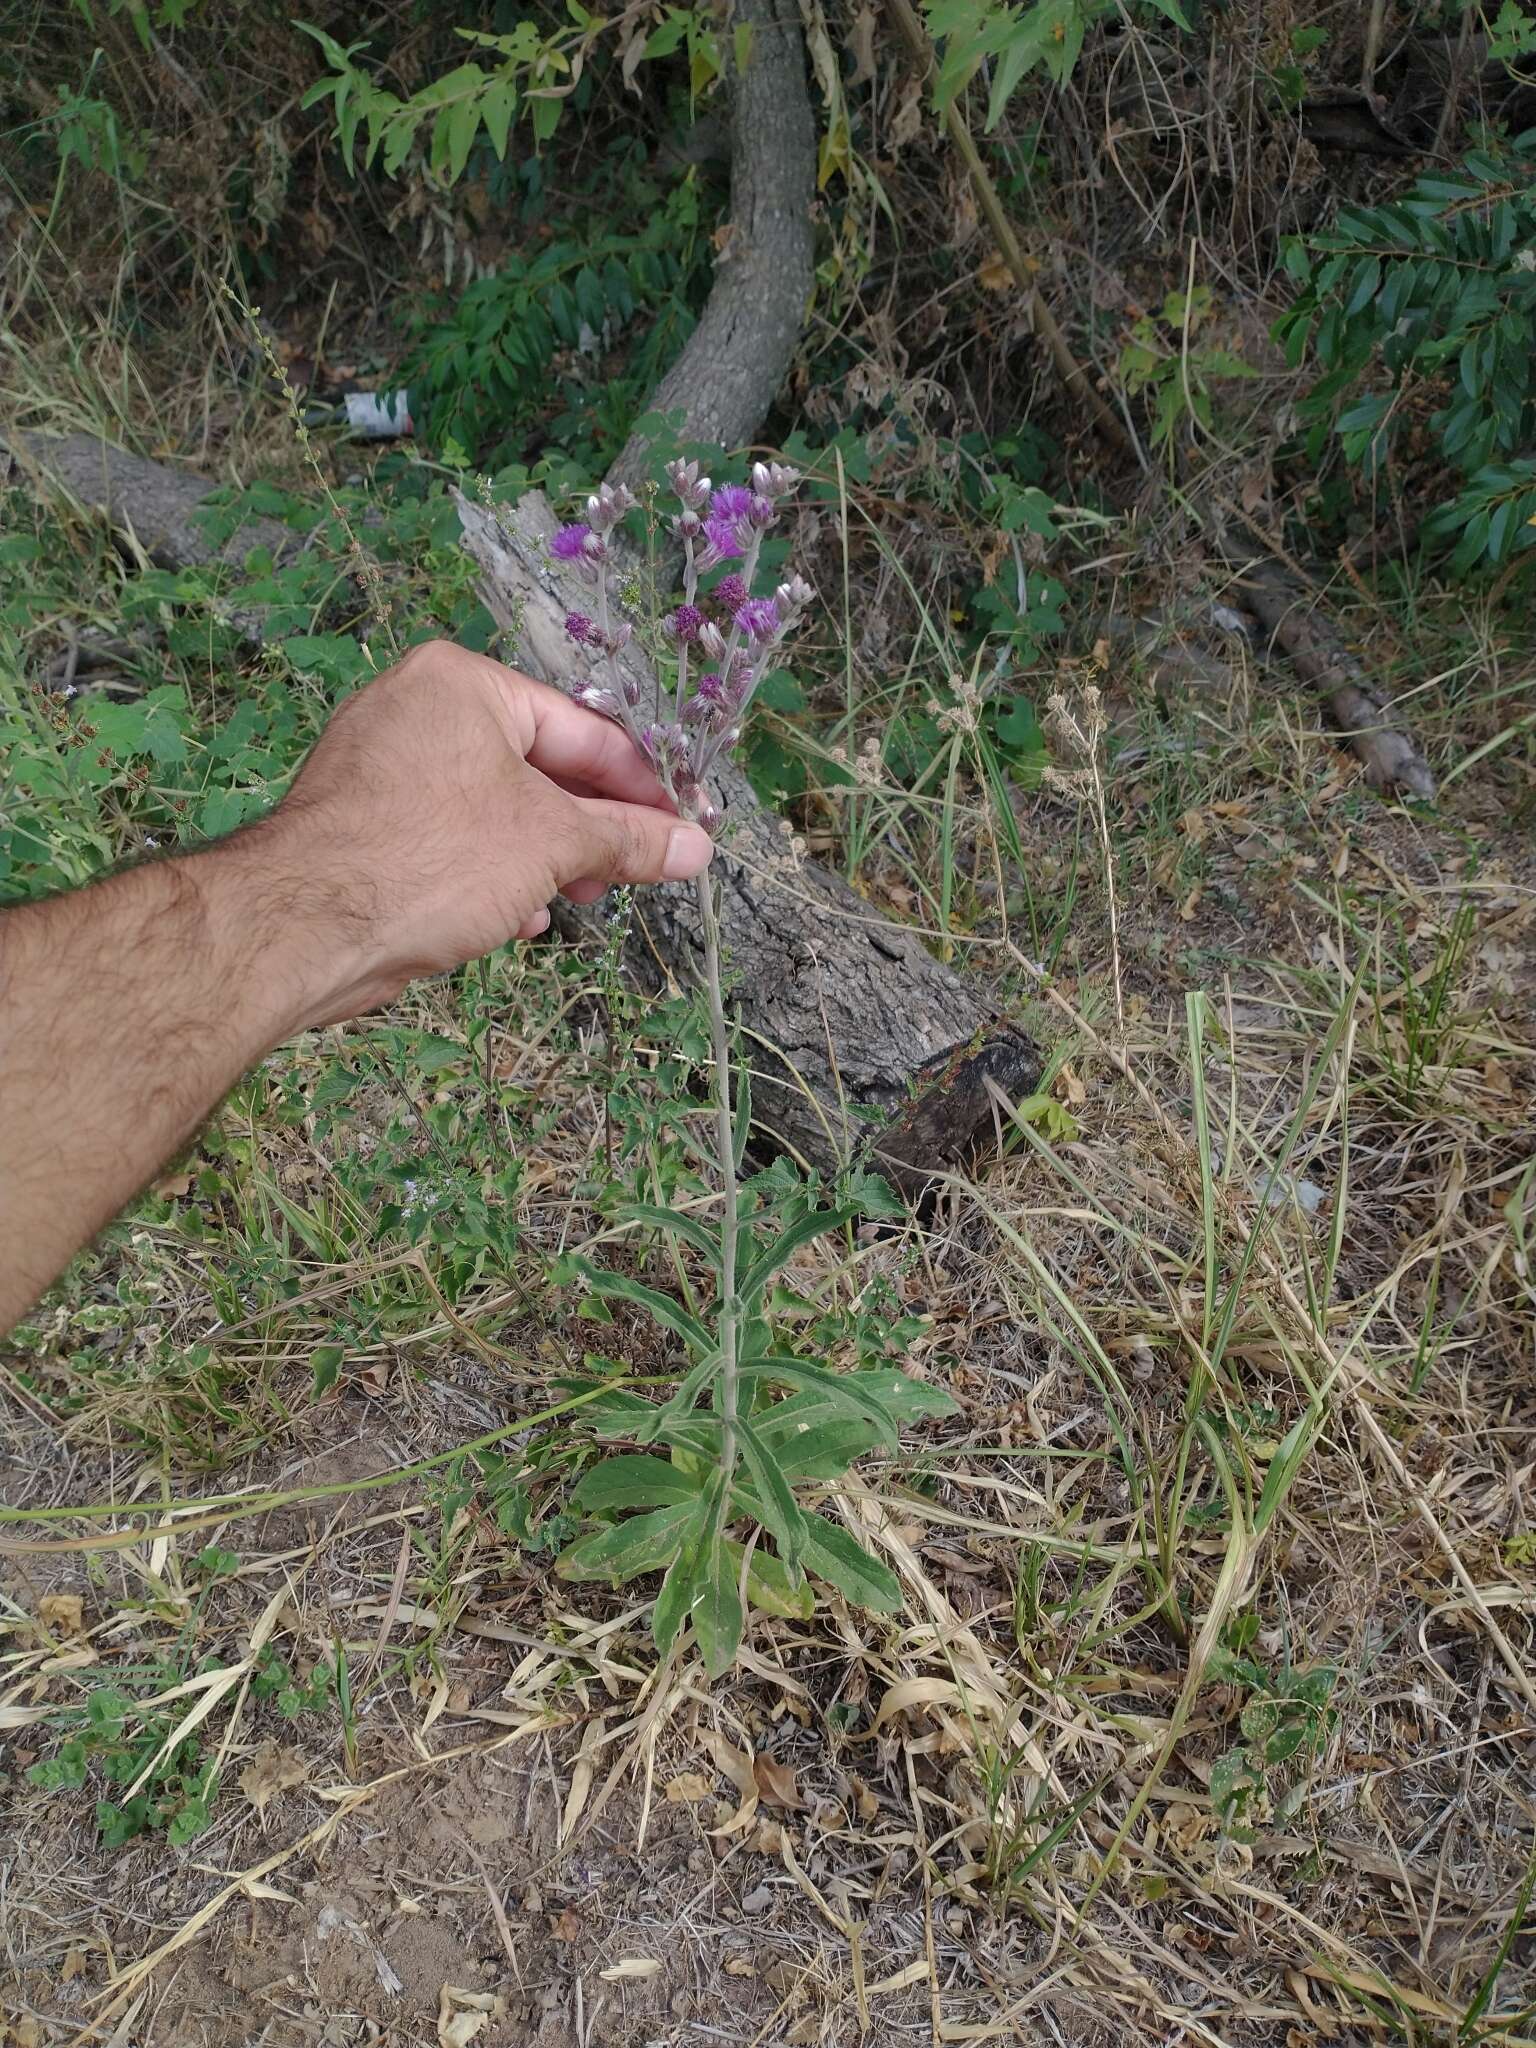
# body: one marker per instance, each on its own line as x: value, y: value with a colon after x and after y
x: 283, y: 926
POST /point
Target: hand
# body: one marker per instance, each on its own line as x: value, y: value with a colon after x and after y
x: 446, y: 804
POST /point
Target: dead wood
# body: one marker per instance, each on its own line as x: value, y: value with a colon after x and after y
x: 862, y: 1045
x: 735, y: 360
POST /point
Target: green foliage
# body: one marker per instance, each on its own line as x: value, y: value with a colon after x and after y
x: 120, y: 1739
x: 1013, y: 42
x: 483, y: 362
x: 1164, y: 358
x: 676, y: 1510
x: 529, y: 73
x: 1420, y: 314
x: 1286, y: 1717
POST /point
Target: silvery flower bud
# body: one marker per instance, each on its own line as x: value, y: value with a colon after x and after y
x: 608, y: 505
x: 773, y: 479
x: 792, y: 596
x: 691, y: 488
x: 711, y: 641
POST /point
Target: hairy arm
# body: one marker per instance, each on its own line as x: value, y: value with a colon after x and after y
x: 127, y: 1010
x: 443, y: 808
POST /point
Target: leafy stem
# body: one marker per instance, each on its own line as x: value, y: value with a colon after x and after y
x: 725, y: 1143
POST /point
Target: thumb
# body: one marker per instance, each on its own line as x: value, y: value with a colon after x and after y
x: 617, y: 842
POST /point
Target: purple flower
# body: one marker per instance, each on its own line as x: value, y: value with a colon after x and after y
x: 579, y: 627
x: 759, y: 618
x: 685, y: 623
x: 708, y: 702
x: 731, y: 501
x: 722, y: 538
x: 569, y: 543
x: 731, y: 592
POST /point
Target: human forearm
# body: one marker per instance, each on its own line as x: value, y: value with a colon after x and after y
x: 127, y: 1011
x: 440, y: 811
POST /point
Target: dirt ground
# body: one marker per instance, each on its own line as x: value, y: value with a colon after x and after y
x: 531, y: 1834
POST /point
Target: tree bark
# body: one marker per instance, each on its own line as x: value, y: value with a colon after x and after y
x: 1296, y: 624
x: 863, y: 1047
x: 733, y: 363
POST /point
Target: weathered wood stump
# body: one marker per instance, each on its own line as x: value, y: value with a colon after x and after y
x: 863, y: 1046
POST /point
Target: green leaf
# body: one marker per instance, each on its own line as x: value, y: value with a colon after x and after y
x: 715, y: 1609
x: 660, y: 1307
x: 645, y: 1543
x: 497, y: 109
x: 633, y: 1481
x: 769, y: 1585
x: 843, y: 1390
x: 325, y: 1367
x: 463, y: 126
x: 674, y: 1599
x: 674, y: 1223
x: 786, y: 1244
x: 833, y: 1555
x: 781, y: 1514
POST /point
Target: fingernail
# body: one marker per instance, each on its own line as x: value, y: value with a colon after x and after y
x: 688, y: 852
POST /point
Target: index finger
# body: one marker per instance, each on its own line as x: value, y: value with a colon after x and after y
x: 572, y: 745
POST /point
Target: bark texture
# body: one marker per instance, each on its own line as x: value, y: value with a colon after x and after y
x: 733, y: 363
x: 1294, y: 622
x: 862, y: 1045
x: 157, y: 506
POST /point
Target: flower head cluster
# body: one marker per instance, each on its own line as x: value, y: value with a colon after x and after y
x: 728, y: 633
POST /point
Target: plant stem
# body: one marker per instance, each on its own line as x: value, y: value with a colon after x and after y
x: 730, y: 1307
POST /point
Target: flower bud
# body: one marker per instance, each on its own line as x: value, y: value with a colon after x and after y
x: 773, y: 479
x: 792, y: 596
x: 711, y: 641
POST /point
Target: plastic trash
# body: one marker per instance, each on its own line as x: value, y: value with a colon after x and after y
x: 379, y: 415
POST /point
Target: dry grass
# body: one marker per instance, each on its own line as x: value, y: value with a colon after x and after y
x: 1245, y: 1355
x: 1195, y: 1418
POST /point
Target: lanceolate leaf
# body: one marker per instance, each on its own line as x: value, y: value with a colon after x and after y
x: 833, y: 1555
x: 786, y: 1244
x: 715, y: 1610
x: 843, y: 1390
x: 670, y: 1314
x: 680, y: 1407
x: 642, y: 1544
x: 782, y: 1517
x: 671, y: 1222
x: 631, y: 1481
x: 770, y: 1586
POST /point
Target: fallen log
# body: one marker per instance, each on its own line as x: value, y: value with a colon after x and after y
x: 863, y: 1047
x: 1295, y: 623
